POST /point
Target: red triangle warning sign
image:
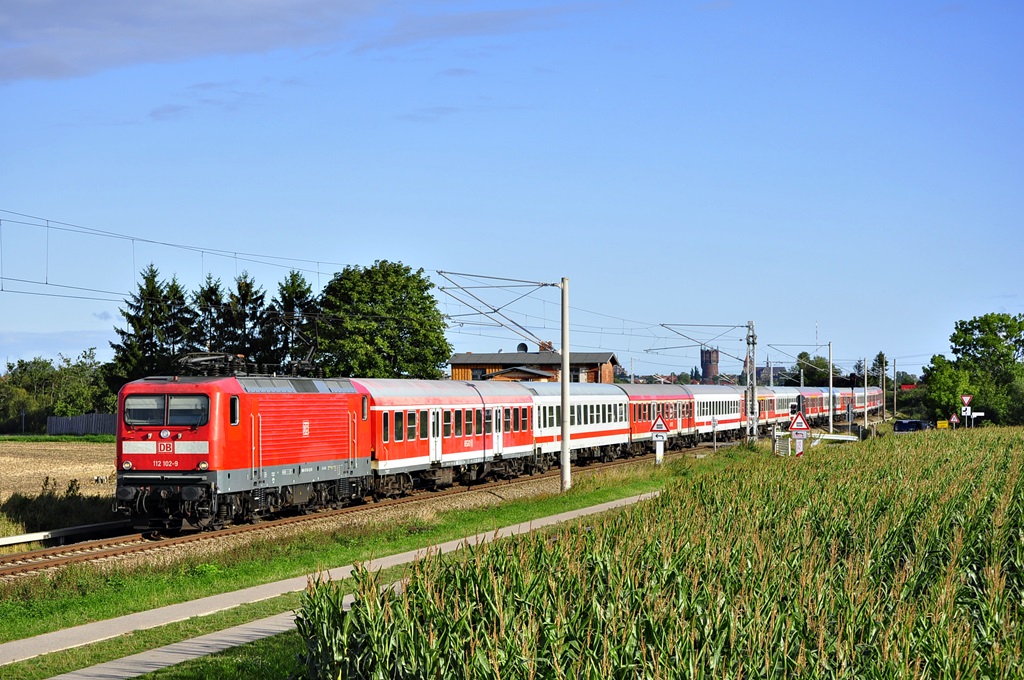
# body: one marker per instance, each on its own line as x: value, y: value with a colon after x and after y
x: 659, y: 425
x: 799, y: 423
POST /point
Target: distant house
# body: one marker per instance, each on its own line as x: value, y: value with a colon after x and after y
x: 544, y: 366
x: 777, y: 377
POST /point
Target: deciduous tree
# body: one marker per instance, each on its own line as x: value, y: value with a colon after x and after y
x: 988, y: 350
x: 79, y: 386
x: 382, y: 322
x: 946, y: 382
x: 815, y: 370
x: 990, y: 345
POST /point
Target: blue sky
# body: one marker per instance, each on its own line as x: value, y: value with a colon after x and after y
x: 844, y: 172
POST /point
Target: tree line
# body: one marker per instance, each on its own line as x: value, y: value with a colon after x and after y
x: 379, y: 321
x: 814, y: 372
x: 374, y: 322
x: 987, y: 363
x: 31, y: 390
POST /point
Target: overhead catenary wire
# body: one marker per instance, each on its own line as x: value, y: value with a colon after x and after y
x: 59, y: 226
x: 527, y: 323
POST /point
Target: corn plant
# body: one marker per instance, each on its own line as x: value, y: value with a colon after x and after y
x: 895, y: 558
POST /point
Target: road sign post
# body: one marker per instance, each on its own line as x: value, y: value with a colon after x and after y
x: 965, y: 399
x: 799, y: 423
x: 953, y: 420
x: 798, y: 429
x: 659, y: 433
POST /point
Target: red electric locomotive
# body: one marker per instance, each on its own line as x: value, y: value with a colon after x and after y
x: 210, y: 451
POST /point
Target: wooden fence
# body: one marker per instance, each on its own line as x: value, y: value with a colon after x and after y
x: 90, y: 423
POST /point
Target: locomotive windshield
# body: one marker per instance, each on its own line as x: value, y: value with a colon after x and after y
x: 157, y: 410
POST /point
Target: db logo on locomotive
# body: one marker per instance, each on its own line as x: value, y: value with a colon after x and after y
x: 165, y: 447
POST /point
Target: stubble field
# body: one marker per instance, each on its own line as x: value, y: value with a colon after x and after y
x: 24, y: 467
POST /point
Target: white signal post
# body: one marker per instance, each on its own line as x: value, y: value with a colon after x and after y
x: 659, y: 432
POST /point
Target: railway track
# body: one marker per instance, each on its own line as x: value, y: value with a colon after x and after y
x: 20, y: 565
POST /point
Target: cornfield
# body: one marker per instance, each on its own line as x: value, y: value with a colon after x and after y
x: 896, y: 558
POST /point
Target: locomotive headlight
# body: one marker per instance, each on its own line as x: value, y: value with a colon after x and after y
x: 203, y: 465
x: 126, y: 465
x: 164, y: 434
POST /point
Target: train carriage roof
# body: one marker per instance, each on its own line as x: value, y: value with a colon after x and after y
x: 709, y: 391
x: 550, y: 389
x: 792, y: 392
x: 394, y: 391
x: 635, y: 391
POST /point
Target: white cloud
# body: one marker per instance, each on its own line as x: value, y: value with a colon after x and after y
x: 53, y: 39
x: 70, y: 38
